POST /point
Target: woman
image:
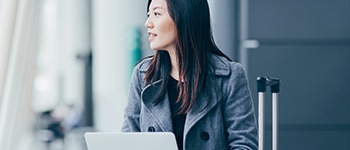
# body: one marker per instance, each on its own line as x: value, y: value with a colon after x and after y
x: 189, y: 87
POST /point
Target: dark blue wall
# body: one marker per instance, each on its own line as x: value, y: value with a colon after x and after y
x: 307, y: 45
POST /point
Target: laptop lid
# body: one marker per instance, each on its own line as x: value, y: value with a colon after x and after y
x: 130, y: 141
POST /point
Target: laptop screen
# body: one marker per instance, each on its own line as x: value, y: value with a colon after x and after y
x: 130, y: 141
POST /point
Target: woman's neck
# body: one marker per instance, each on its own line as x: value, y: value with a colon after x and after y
x: 174, y: 72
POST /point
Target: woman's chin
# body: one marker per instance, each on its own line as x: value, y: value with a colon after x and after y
x: 155, y: 48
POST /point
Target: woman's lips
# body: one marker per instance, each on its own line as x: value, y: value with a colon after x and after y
x: 151, y: 36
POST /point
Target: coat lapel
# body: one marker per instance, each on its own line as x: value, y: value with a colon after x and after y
x: 206, y: 101
x: 161, y: 111
x: 202, y: 106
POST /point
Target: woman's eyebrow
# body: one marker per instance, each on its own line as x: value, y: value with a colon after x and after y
x: 157, y: 7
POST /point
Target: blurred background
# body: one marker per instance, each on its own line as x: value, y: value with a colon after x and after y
x: 65, y: 67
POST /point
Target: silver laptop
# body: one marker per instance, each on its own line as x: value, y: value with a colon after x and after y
x: 130, y: 141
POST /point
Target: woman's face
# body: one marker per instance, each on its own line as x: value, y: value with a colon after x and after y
x: 161, y: 27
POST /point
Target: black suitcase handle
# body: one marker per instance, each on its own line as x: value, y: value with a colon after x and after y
x: 264, y: 82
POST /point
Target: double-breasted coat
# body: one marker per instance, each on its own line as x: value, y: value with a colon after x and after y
x: 222, y: 119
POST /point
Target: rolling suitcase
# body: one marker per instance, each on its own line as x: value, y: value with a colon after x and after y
x: 262, y: 83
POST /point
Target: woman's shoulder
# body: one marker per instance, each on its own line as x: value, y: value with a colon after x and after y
x: 223, y: 66
x: 143, y: 64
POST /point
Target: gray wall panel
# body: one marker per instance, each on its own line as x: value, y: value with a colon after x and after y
x: 307, y: 45
x: 314, y: 98
x: 314, y: 82
x: 299, y: 19
x: 305, y: 140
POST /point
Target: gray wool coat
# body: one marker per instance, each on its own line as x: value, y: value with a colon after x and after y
x: 223, y: 120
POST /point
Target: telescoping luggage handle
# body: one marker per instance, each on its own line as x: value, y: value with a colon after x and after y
x: 262, y: 83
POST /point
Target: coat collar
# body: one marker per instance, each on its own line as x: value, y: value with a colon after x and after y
x: 204, y: 103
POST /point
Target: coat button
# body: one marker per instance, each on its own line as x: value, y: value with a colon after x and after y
x: 204, y: 136
x: 151, y: 129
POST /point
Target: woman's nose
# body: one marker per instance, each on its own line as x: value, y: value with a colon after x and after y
x: 148, y: 23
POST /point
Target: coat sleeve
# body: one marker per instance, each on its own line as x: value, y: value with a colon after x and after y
x: 239, y: 115
x: 131, y: 121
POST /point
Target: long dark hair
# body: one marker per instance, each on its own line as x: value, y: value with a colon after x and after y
x: 194, y: 46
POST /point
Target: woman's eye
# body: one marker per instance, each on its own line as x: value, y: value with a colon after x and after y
x: 155, y: 14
